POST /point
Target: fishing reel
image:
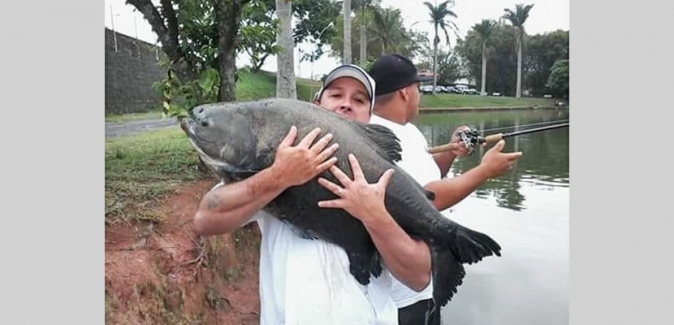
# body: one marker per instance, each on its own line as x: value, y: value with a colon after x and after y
x: 470, y: 138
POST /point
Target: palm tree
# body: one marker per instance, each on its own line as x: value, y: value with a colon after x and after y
x: 364, y: 5
x: 383, y: 20
x: 347, y: 32
x: 485, y: 29
x: 439, y: 18
x: 517, y: 18
x: 285, y: 73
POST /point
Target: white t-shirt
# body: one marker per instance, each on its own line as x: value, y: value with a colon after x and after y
x: 419, y: 164
x: 306, y: 281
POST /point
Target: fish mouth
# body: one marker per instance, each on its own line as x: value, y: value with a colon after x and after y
x: 187, y: 124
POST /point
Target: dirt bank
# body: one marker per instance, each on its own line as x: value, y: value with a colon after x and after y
x: 161, y: 273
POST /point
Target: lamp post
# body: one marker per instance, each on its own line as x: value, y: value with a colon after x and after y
x: 313, y: 54
x: 114, y: 34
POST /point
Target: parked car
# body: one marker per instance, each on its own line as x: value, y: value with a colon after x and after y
x: 461, y: 89
x: 440, y: 89
x: 471, y: 91
x: 451, y: 90
x: 426, y: 89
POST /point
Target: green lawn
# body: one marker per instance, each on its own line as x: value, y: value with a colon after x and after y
x: 119, y: 118
x: 142, y: 168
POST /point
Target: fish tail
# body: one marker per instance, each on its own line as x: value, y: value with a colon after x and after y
x: 462, y: 246
x: 469, y: 246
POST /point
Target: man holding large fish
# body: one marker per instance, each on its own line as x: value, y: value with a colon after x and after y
x: 306, y: 281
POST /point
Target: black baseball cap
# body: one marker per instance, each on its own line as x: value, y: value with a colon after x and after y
x: 393, y: 71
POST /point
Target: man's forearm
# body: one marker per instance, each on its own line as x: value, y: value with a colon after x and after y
x: 450, y: 191
x: 444, y: 160
x: 228, y: 207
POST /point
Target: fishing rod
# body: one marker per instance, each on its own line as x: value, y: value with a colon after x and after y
x: 523, y: 125
x: 472, y: 137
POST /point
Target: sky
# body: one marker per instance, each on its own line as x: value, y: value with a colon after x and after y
x: 545, y: 16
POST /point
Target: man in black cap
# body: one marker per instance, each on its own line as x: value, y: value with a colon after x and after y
x: 396, y: 104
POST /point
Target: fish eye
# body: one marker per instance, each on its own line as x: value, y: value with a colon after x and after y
x: 204, y: 123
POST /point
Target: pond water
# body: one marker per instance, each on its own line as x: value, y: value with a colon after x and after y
x: 526, y: 211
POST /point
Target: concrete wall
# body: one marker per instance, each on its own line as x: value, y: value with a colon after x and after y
x: 129, y: 73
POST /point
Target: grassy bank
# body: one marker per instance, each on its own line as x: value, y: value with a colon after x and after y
x: 143, y: 168
x: 430, y: 102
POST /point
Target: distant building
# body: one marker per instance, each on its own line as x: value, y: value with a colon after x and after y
x: 426, y: 73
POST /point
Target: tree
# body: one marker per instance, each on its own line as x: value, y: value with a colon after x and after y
x: 347, y: 32
x: 501, y: 72
x: 558, y: 82
x: 449, y: 62
x: 387, y: 34
x: 541, y: 52
x: 384, y: 20
x: 517, y: 18
x: 485, y: 29
x: 285, y: 73
x: 227, y: 13
x: 165, y: 25
x: 257, y: 35
x: 196, y: 35
x: 315, y: 19
x: 366, y: 9
x: 440, y: 19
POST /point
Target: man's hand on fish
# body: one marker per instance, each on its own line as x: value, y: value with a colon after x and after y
x: 357, y: 197
x: 296, y: 165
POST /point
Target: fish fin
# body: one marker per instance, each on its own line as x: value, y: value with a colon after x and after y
x: 235, y: 174
x: 385, y: 139
x: 448, y: 274
x: 359, y: 265
x: 301, y: 232
x: 375, y: 264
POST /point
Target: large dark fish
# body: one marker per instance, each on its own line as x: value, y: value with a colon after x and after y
x: 236, y: 140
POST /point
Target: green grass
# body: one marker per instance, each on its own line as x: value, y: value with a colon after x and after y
x: 253, y: 86
x: 306, y: 88
x: 141, y: 169
x: 461, y: 101
x: 152, y: 114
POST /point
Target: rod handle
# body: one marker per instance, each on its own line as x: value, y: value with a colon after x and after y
x: 490, y: 139
x: 441, y: 148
